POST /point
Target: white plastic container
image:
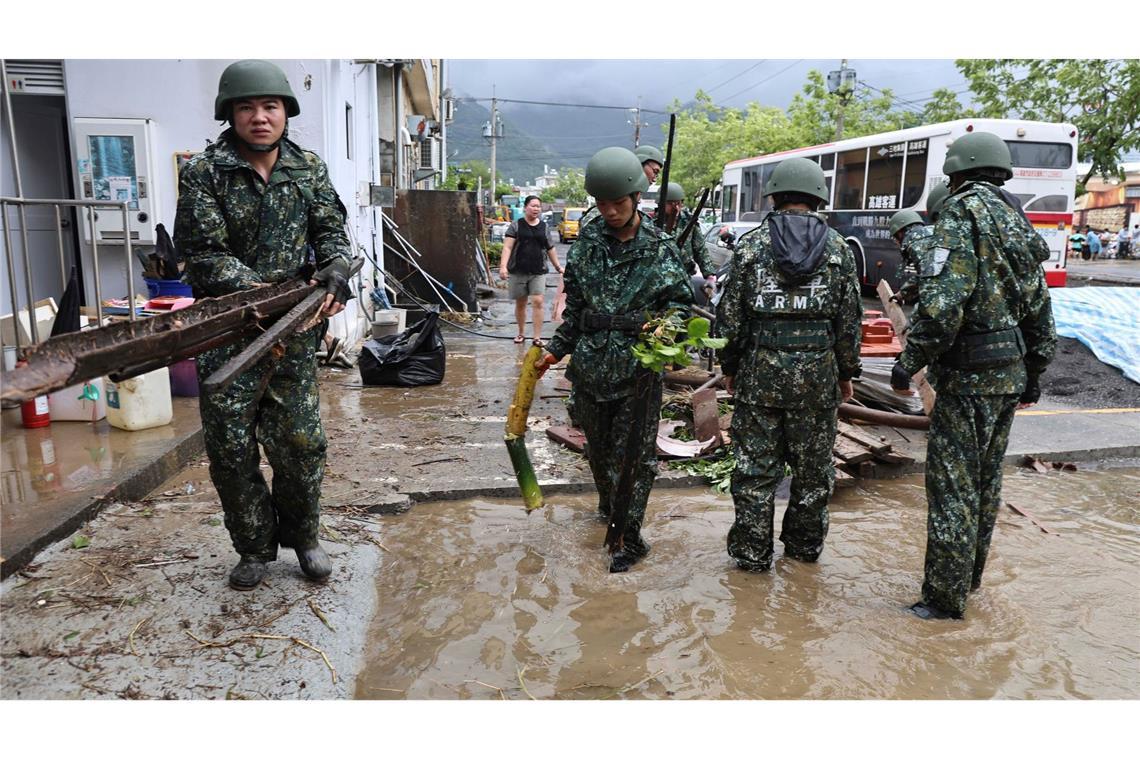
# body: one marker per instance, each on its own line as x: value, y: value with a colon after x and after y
x: 388, y: 322
x: 86, y: 402
x: 141, y: 402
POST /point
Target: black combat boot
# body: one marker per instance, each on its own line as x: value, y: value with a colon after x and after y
x: 247, y: 574
x: 315, y: 562
x: 930, y: 612
x: 632, y: 551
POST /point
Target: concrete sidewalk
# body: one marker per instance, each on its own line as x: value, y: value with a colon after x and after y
x: 391, y: 447
x: 1104, y: 271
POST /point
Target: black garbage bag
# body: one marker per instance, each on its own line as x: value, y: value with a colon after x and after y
x: 416, y: 356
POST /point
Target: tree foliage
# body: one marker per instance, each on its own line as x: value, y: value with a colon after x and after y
x: 1100, y: 97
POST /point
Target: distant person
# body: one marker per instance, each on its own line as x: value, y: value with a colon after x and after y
x: 913, y: 238
x: 1092, y: 242
x: 1124, y: 242
x: 526, y: 246
x: 1077, y: 244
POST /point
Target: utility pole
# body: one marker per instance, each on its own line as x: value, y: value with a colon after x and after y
x: 637, y: 125
x: 841, y: 83
x: 493, y: 131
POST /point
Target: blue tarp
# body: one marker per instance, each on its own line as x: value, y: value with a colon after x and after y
x: 1107, y: 320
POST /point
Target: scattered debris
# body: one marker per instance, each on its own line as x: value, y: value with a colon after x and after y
x: 1042, y: 466
x: 1025, y: 513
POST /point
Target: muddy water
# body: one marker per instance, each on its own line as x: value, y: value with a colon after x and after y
x: 478, y: 600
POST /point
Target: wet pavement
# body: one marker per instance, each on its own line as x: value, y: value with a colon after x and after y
x: 56, y: 477
x: 479, y: 600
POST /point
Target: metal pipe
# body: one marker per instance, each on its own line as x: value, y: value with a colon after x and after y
x: 908, y: 421
x: 32, y: 321
x: 59, y: 245
x: 23, y: 218
x: 95, y: 262
x: 130, y: 262
x: 11, y: 276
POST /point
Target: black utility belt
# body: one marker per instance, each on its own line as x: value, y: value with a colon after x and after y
x: 794, y: 335
x: 630, y: 324
x: 985, y: 350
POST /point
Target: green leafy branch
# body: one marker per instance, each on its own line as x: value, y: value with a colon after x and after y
x: 666, y: 340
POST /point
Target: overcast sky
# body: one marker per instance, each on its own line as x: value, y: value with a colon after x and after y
x: 658, y: 82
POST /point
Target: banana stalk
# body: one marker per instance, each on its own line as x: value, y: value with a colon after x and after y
x: 516, y: 430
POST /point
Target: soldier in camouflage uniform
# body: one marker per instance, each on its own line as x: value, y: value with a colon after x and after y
x: 791, y: 313
x: 249, y: 208
x: 619, y: 273
x: 984, y: 330
x: 908, y: 231
x: 694, y: 256
x: 934, y: 200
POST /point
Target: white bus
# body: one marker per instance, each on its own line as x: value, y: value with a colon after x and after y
x: 870, y: 178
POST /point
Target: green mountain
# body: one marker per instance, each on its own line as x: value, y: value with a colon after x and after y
x: 535, y: 136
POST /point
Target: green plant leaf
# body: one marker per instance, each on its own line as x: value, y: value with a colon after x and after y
x: 80, y: 542
x: 698, y: 327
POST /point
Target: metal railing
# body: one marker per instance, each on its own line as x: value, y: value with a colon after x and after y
x: 9, y: 255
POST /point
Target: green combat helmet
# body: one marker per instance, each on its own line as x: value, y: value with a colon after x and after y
x: 649, y: 153
x: 904, y: 219
x: 797, y: 175
x: 979, y: 150
x: 934, y: 200
x: 613, y: 173
x: 253, y: 79
x: 674, y: 192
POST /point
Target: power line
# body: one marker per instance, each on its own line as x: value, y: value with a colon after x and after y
x: 722, y: 84
x: 762, y: 81
x: 564, y: 105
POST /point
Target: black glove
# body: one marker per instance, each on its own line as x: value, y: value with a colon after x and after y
x: 335, y: 278
x: 900, y: 378
x: 1032, y: 391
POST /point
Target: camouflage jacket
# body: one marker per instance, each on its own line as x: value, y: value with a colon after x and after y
x: 642, y: 277
x: 915, y: 240
x: 589, y: 216
x: 791, y: 336
x: 235, y: 230
x: 981, y: 275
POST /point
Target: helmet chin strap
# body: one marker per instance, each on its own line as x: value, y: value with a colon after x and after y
x: 629, y: 222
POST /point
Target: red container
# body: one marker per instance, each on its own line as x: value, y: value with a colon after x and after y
x: 35, y: 413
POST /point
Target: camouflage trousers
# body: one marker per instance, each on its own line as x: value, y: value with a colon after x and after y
x: 968, y: 437
x: 764, y: 439
x: 606, y: 425
x: 274, y: 403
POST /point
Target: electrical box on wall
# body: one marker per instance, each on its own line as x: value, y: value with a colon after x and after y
x: 115, y: 162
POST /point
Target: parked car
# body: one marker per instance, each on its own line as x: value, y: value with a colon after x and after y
x: 568, y: 227
x: 717, y: 245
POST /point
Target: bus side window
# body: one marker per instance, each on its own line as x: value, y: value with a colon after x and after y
x: 827, y: 162
x: 915, y: 178
x: 884, y: 175
x: 849, y: 179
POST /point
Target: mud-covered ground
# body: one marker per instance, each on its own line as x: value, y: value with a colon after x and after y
x: 1077, y: 377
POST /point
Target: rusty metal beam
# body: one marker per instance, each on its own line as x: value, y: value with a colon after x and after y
x: 127, y: 349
